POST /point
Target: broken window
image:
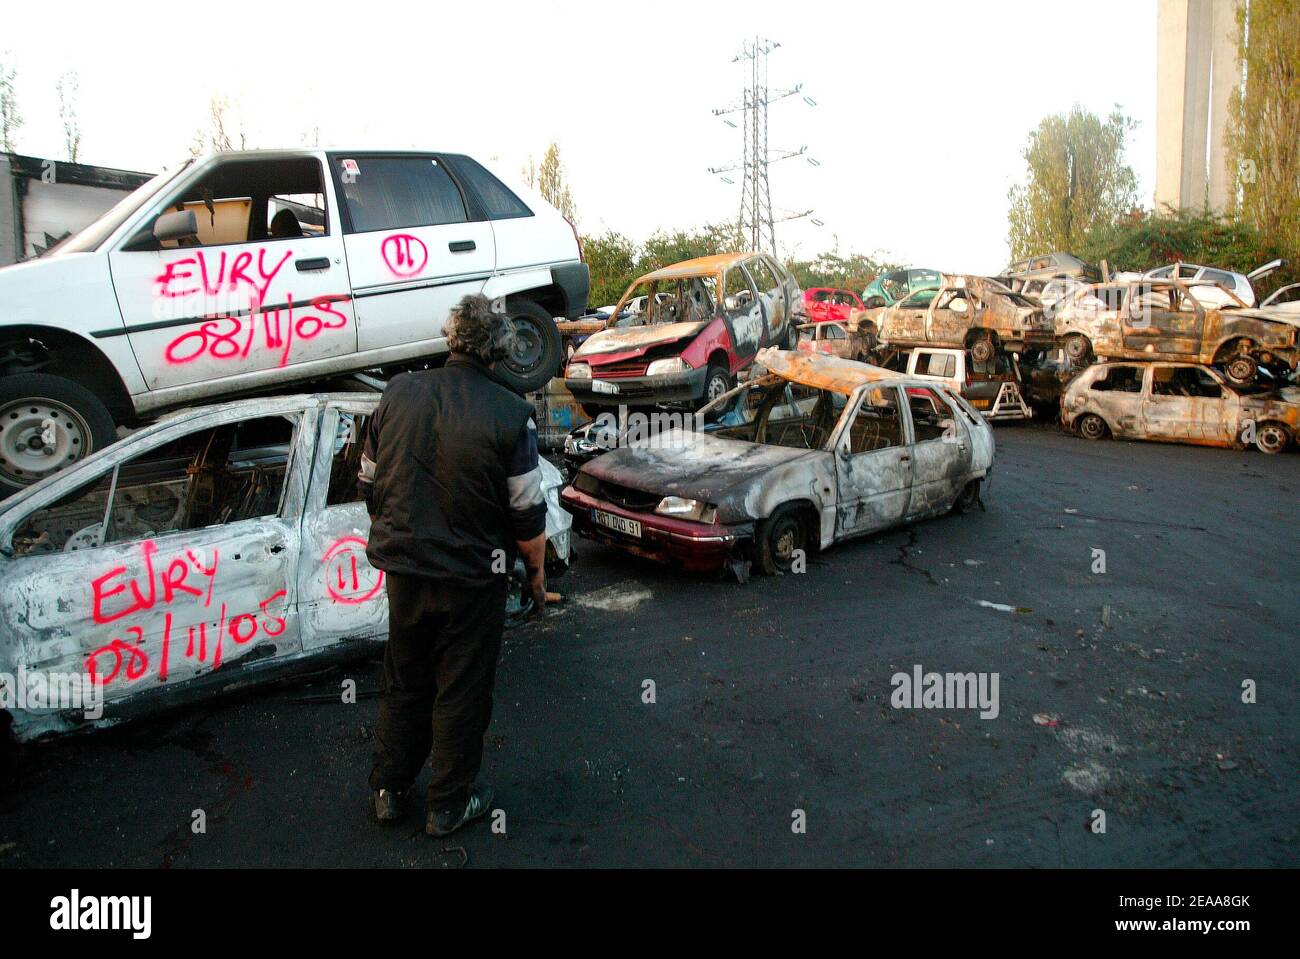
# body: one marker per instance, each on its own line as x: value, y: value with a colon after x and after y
x: 936, y: 364
x: 763, y: 276
x: 345, y: 466
x: 1119, y: 379
x: 1184, y: 381
x: 930, y: 415
x: 239, y: 201
x: 214, y: 476
x: 876, y: 425
x: 919, y: 300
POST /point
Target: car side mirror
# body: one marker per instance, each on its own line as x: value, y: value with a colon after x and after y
x: 176, y: 225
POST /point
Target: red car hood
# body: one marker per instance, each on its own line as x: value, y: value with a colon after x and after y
x: 635, y: 340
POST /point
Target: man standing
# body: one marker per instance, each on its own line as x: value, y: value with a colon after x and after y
x: 452, y: 483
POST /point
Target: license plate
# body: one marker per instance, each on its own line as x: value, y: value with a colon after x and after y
x: 600, y: 386
x: 629, y: 527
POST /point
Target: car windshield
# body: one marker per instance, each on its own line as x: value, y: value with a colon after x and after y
x: 90, y: 237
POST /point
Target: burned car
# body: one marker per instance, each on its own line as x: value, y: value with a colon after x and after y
x: 687, y: 347
x: 1167, y: 320
x: 216, y: 549
x: 966, y: 313
x: 834, y: 449
x: 1179, y: 403
x: 832, y: 338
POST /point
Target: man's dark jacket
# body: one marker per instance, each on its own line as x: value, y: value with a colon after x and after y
x: 442, y: 443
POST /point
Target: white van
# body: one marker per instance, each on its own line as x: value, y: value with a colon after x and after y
x: 253, y: 270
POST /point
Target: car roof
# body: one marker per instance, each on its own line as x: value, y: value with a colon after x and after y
x: 828, y: 372
x: 700, y: 266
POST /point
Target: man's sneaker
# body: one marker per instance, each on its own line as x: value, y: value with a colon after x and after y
x: 388, y: 806
x: 444, y: 822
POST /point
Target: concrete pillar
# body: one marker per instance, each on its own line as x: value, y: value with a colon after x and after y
x: 1226, y: 75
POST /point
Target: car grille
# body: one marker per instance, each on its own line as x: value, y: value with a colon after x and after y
x: 628, y: 498
x: 613, y: 371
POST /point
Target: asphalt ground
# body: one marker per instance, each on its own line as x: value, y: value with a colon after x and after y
x: 1119, y: 691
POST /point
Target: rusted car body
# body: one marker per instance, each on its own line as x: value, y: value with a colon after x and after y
x: 1179, y: 403
x: 835, y: 449
x: 688, y: 347
x: 968, y: 313
x: 216, y: 549
x: 1164, y: 320
x: 833, y: 338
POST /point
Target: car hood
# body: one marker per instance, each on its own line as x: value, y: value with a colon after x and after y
x: 636, y: 338
x: 694, y: 465
x: 1265, y: 313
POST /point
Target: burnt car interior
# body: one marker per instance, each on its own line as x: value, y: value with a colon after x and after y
x: 1184, y: 381
x: 787, y: 414
x: 223, y: 474
x: 688, y: 300
x: 877, y: 425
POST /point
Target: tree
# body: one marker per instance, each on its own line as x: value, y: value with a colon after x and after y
x: 225, y: 129
x: 10, y: 118
x: 852, y: 271
x: 549, y: 181
x: 1262, y: 139
x: 69, y: 86
x: 1077, y: 179
x: 611, y: 258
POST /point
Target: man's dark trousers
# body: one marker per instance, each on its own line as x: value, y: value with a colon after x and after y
x: 439, y: 667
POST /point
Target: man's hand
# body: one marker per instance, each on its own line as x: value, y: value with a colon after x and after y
x: 533, y: 552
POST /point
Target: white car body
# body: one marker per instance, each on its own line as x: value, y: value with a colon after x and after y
x: 148, y: 323
x: 170, y: 605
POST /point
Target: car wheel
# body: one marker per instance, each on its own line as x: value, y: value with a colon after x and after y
x: 536, y: 352
x: 1092, y: 427
x: 780, y: 540
x: 1241, y: 370
x: 47, y: 423
x: 716, y: 382
x: 981, y: 351
x: 1077, y: 348
x: 968, y: 498
x: 1272, y: 438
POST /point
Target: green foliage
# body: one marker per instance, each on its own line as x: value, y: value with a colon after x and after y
x: 1262, y: 140
x: 1076, y: 179
x: 612, y: 258
x: 852, y: 272
x: 1143, y: 240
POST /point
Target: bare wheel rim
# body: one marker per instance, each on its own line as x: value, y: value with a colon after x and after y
x: 717, y: 386
x: 1271, y: 438
x: 39, y: 436
x: 1242, y: 368
x: 786, y: 540
x: 1076, y: 347
x: 527, y: 347
x: 1091, y: 427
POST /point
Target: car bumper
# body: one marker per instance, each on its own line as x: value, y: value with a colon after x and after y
x: 574, y: 281
x: 686, y: 387
x: 696, y: 547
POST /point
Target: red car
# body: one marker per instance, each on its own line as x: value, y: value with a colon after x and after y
x: 823, y: 304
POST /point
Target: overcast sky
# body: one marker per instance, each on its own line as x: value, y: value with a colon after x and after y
x: 922, y: 107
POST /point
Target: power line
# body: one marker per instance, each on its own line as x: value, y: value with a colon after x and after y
x: 757, y: 219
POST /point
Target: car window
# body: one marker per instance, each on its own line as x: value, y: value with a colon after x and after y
x: 1163, y: 272
x: 496, y: 199
x: 345, y: 466
x: 919, y: 300
x: 936, y: 364
x: 1184, y: 381
x: 390, y: 193
x: 876, y: 424
x: 895, y: 284
x: 223, y: 474
x: 739, y: 292
x: 834, y: 332
x: 1218, y: 276
x: 1187, y: 271
x: 238, y: 201
x: 764, y: 277
x: 930, y: 415
x: 1119, y: 379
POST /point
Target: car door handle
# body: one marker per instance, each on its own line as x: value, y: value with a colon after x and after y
x: 905, y: 458
x: 316, y: 263
x: 461, y: 246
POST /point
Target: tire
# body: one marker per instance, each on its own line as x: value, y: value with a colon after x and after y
x: 35, y: 407
x: 1241, y: 369
x: 716, y: 382
x: 982, y: 350
x: 1272, y: 438
x: 968, y: 498
x: 777, y: 539
x: 1077, y: 348
x: 1092, y: 427
x: 538, y: 351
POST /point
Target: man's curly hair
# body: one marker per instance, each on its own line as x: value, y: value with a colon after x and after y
x: 475, y: 330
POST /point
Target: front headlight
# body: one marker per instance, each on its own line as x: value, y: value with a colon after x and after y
x: 674, y: 364
x: 579, y: 371
x: 692, y: 509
